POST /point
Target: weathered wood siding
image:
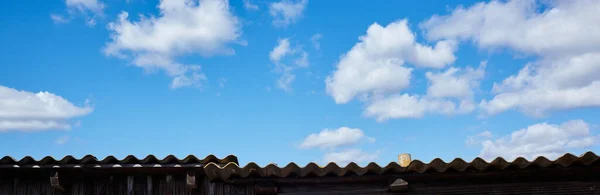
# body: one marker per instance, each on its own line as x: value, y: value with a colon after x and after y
x: 154, y: 182
x: 159, y: 186
x: 118, y: 185
x: 542, y: 188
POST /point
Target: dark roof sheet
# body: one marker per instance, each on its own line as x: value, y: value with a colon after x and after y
x: 226, y: 168
x: 89, y: 159
x: 232, y: 170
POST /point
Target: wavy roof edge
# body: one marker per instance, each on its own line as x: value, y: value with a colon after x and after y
x: 229, y: 170
x: 517, y: 160
x: 231, y: 162
x: 130, y: 159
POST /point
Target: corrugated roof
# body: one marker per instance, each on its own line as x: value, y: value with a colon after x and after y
x: 232, y: 170
x: 89, y: 159
x: 226, y: 168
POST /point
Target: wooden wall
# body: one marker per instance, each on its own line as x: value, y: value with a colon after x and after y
x: 103, y: 182
x: 119, y: 185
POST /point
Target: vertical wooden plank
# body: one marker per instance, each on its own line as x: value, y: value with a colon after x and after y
x: 149, y: 185
x: 48, y: 190
x: 249, y: 189
x: 32, y: 187
x: 219, y: 188
x: 129, y: 185
x: 240, y: 189
x: 139, y: 185
x: 168, y: 190
x: 211, y: 188
x: 226, y: 189
x: 5, y: 187
x: 15, y: 186
x: 203, y: 186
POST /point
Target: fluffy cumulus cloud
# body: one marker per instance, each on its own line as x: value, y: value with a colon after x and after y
x: 518, y: 24
x: 27, y: 111
x: 204, y: 27
x: 557, y: 84
x: 286, y: 12
x: 449, y: 92
x: 542, y: 139
x: 350, y: 155
x: 563, y: 35
x: 329, y: 139
x: 455, y: 82
x: 286, y: 59
x: 376, y: 64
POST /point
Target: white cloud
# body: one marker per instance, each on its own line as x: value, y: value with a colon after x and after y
x: 540, y: 139
x: 350, y: 155
x: 183, y: 27
x: 286, y: 12
x: 454, y: 83
x: 222, y: 82
x: 94, y: 6
x: 375, y: 65
x: 90, y: 9
x: 285, y: 81
x: 375, y: 71
x: 407, y: 106
x: 336, y: 143
x: 58, y: 19
x: 250, y: 6
x: 302, y: 61
x: 449, y: 92
x: 91, y: 22
x: 62, y: 140
x: 570, y: 25
x: 477, y: 139
x: 282, y: 51
x: 333, y: 138
x: 315, y: 40
x: 27, y: 111
x: 563, y: 36
x: 557, y: 84
x: 188, y: 80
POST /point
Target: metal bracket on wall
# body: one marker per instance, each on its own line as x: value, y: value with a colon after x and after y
x: 190, y: 180
x: 169, y: 178
x: 399, y: 186
x: 54, y: 182
x: 265, y: 188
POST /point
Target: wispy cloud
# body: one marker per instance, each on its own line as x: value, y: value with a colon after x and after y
x: 62, y: 140
x: 286, y: 12
x: 58, y: 19
x: 315, y: 40
x: 250, y: 6
x: 283, y: 50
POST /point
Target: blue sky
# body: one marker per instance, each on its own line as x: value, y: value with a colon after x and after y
x: 299, y: 80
